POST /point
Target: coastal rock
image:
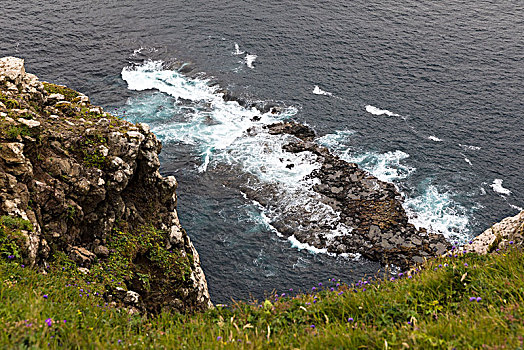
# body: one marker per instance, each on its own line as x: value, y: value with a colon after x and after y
x: 363, y: 215
x: 499, y: 235
x: 84, y: 179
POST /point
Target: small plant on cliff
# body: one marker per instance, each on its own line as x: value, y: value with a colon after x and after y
x: 14, y: 131
x: 11, y: 238
x: 69, y: 94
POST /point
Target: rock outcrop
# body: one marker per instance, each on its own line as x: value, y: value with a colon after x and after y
x: 368, y: 217
x: 88, y: 183
x: 499, y: 235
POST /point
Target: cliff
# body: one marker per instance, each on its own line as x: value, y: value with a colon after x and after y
x: 81, y: 186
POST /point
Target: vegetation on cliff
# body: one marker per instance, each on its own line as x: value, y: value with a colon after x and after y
x: 463, y: 301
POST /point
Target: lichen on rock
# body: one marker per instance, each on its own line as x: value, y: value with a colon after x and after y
x: 84, y: 179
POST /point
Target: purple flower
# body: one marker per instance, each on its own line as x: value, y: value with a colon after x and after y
x: 364, y: 289
x: 332, y: 289
x: 314, y: 288
x: 312, y: 326
x: 479, y: 299
x: 290, y: 289
x: 340, y: 293
x: 472, y: 299
x: 466, y: 264
x: 219, y: 338
x: 65, y: 321
x: 392, y: 279
x: 350, y: 319
x: 410, y: 276
x: 49, y: 322
x: 45, y: 296
x: 439, y: 265
x: 510, y: 242
x: 22, y: 266
x: 400, y: 274
x: 315, y: 301
x: 320, y: 284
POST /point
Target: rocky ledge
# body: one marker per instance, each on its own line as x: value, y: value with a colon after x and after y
x: 81, y: 186
x: 507, y: 232
x: 375, y: 223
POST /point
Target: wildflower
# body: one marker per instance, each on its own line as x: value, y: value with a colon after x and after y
x: 65, y: 321
x: 472, y: 299
x: 45, y: 296
x: 410, y: 276
x: 49, y: 322
x: 364, y: 289
x: 439, y: 265
x: 350, y: 319
x: 392, y: 279
x: 320, y: 284
x: 219, y: 338
x: 312, y: 326
x: 22, y: 266
x: 332, y: 289
x: 466, y: 264
x: 510, y: 242
x: 340, y: 293
x: 400, y: 274
x: 479, y: 299
x: 290, y: 289
x: 314, y: 288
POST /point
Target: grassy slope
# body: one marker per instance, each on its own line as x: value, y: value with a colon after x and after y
x: 431, y: 309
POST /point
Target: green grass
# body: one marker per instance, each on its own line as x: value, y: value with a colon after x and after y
x: 69, y: 94
x: 430, y: 310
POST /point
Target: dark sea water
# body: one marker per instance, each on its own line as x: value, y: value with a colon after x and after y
x: 428, y: 96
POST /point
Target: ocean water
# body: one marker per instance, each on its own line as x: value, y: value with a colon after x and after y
x: 427, y: 96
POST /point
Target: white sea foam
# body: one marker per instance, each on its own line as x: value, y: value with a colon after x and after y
x: 466, y: 159
x: 299, y: 245
x: 434, y: 138
x: 319, y: 91
x: 438, y: 213
x: 249, y: 59
x: 377, y: 111
x: 516, y: 207
x: 227, y: 133
x: 497, y: 187
x: 387, y: 166
x: 237, y: 50
x: 469, y: 147
x: 429, y: 208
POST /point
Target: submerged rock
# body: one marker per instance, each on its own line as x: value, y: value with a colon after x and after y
x: 85, y: 179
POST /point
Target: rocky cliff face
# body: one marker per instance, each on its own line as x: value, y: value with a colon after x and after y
x: 89, y: 185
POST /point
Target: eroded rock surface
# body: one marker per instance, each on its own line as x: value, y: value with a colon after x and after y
x: 81, y: 176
